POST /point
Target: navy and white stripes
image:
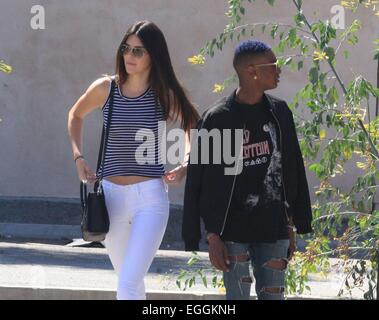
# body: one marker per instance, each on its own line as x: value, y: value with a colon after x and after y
x: 133, y: 118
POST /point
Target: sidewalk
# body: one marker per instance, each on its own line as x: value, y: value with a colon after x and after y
x: 55, y: 269
x: 39, y: 260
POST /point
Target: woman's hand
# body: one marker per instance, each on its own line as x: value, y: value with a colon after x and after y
x: 84, y: 171
x: 175, y: 176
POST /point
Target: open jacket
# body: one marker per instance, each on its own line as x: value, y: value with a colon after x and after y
x: 208, y: 190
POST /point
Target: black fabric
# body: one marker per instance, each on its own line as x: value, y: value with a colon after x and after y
x: 257, y: 196
x: 208, y: 189
x: 257, y: 150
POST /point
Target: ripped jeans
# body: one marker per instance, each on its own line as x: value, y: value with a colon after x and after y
x: 269, y: 263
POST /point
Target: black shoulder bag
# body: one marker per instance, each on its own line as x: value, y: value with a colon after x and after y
x: 95, y: 219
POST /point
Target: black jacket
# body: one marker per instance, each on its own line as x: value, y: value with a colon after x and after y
x: 208, y: 190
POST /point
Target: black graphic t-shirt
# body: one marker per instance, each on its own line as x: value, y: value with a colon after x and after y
x: 257, y: 198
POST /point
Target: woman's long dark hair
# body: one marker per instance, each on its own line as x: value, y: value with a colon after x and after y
x: 162, y: 76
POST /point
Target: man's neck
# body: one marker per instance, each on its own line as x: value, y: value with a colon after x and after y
x: 249, y: 95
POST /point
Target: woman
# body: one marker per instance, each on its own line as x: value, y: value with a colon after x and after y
x: 146, y: 92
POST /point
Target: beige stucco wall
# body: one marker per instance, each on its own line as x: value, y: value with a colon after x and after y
x: 53, y: 67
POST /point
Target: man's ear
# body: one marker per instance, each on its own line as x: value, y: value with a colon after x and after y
x: 252, y: 71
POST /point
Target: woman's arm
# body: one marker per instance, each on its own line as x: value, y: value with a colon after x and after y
x: 93, y: 98
x: 176, y: 175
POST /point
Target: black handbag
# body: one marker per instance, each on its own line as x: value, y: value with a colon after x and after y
x: 95, y: 219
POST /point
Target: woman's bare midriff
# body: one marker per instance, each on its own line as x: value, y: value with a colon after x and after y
x: 128, y: 180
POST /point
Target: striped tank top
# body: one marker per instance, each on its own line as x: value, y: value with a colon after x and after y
x: 133, y: 147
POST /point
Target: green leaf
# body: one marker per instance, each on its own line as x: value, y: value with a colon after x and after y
x: 317, y: 168
x: 292, y: 36
x: 313, y: 75
x: 274, y: 31
x: 363, y: 223
x: 214, y: 281
x: 332, y: 96
x: 304, y: 49
x: 316, y: 26
x: 353, y: 40
x: 205, y: 283
x: 4, y: 67
x: 287, y: 61
x: 192, y: 261
x: 330, y: 52
x: 281, y: 46
x: 299, y: 19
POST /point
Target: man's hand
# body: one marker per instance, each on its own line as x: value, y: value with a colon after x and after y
x: 218, y: 254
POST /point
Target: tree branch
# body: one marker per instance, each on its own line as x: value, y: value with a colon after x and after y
x: 375, y: 151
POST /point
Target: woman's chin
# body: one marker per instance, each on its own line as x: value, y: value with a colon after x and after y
x: 134, y: 71
x: 130, y: 71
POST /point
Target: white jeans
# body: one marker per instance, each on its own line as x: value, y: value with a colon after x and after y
x: 138, y: 215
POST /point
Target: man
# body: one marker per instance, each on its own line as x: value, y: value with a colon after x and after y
x: 253, y: 215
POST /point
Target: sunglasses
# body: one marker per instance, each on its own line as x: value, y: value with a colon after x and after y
x: 137, y: 52
x: 276, y: 64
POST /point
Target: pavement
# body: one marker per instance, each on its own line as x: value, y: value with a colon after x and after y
x: 45, y: 261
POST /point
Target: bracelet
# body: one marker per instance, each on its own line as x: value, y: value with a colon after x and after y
x: 293, y: 228
x: 78, y: 157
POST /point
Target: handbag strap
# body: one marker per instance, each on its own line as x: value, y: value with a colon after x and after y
x: 104, y: 135
x: 83, y: 194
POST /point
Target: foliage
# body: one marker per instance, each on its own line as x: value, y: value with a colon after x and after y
x: 4, y: 67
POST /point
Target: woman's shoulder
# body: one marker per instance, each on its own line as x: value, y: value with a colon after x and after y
x: 100, y: 87
x: 98, y: 92
x: 101, y: 84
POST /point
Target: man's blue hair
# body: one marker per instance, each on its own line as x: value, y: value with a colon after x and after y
x: 251, y: 47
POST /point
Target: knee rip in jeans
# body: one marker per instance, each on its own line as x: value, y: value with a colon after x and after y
x: 246, y: 280
x: 276, y: 264
x: 273, y: 290
x: 244, y: 257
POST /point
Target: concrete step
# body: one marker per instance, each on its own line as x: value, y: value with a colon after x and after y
x: 39, y: 231
x: 54, y: 271
x: 67, y: 234
x: 34, y: 218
